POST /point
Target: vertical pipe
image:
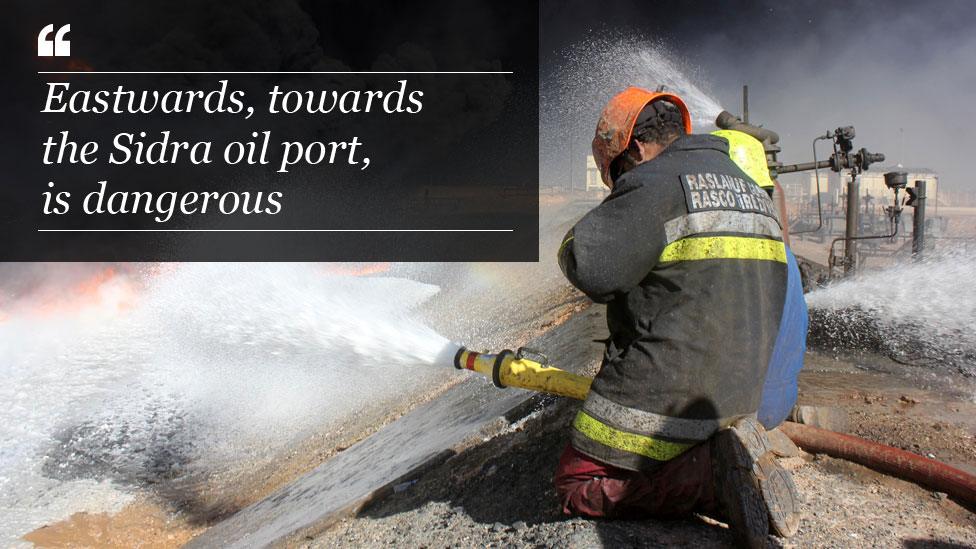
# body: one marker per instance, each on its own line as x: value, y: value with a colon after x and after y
x: 745, y: 104
x: 918, y: 221
x: 783, y: 212
x: 853, y: 209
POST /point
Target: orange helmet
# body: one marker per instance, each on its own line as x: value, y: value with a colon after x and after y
x: 616, y: 125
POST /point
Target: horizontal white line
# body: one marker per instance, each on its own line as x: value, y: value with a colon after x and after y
x: 275, y: 230
x: 275, y: 72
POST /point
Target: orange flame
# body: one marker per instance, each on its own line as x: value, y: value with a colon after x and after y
x: 357, y: 269
x: 105, y: 289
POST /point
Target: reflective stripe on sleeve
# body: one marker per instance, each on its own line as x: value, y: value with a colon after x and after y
x: 569, y: 238
x: 660, y: 450
x: 724, y: 247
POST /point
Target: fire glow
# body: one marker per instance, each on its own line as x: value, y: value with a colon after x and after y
x: 108, y: 290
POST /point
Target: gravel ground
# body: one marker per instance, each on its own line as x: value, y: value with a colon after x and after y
x: 499, y: 493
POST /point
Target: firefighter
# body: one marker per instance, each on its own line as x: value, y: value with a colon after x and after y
x: 687, y: 254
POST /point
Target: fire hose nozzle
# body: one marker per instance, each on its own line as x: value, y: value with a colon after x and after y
x: 518, y: 369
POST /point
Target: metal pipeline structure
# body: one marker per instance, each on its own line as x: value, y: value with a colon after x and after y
x: 530, y: 369
x: 843, y: 158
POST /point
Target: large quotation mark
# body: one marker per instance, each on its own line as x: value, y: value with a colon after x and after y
x: 59, y: 47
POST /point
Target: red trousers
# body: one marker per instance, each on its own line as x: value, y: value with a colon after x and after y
x: 594, y: 489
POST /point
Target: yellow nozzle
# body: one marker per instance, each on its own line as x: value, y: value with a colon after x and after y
x: 515, y: 369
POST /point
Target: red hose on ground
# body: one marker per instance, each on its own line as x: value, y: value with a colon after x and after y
x: 906, y: 465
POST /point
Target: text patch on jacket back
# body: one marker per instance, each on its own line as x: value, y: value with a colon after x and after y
x: 719, y: 191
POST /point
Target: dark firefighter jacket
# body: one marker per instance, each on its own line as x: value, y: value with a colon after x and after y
x: 687, y: 254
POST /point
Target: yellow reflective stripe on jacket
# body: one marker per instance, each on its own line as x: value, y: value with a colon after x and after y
x: 660, y: 450
x: 562, y: 246
x: 724, y: 247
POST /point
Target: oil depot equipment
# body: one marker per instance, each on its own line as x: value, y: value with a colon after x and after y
x: 844, y: 158
x: 530, y: 369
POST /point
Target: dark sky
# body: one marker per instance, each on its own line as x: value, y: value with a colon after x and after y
x: 903, y: 73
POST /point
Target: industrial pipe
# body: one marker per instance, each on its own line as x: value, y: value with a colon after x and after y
x: 853, y: 224
x: 803, y: 166
x: 517, y: 369
x: 784, y: 214
x: 728, y: 121
x: 899, y: 463
x: 918, y: 219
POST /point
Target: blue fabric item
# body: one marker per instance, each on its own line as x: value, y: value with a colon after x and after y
x: 780, y: 389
